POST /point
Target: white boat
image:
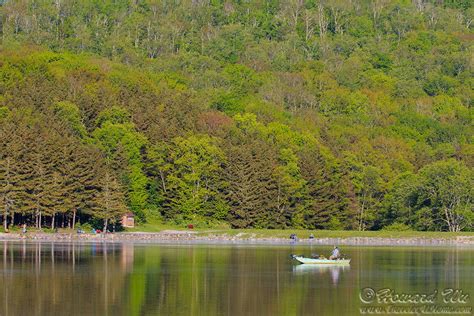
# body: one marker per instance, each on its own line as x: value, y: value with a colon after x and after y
x: 306, y: 260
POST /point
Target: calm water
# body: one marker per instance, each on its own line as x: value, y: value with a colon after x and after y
x: 142, y: 279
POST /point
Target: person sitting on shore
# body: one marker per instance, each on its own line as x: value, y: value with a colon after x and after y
x: 294, y: 238
x: 335, y: 253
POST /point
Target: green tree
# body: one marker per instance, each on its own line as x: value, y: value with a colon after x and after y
x: 325, y: 193
x: 109, y: 201
x: 290, y: 190
x: 70, y: 114
x: 447, y: 188
x: 251, y: 184
x: 116, y: 133
x: 194, y: 178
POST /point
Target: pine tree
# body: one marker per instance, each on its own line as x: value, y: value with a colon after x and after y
x: 78, y: 169
x: 109, y: 201
x: 325, y: 191
x: 54, y: 201
x: 12, y: 170
x: 290, y: 189
x: 46, y: 185
x: 251, y: 188
x: 37, y: 184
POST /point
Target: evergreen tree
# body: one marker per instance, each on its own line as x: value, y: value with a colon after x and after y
x: 251, y: 186
x: 12, y: 171
x: 325, y: 192
x: 109, y: 200
x: 289, y: 191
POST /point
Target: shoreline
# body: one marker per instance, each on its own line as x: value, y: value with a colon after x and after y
x: 190, y: 237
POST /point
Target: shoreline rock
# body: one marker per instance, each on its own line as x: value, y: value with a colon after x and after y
x: 191, y: 237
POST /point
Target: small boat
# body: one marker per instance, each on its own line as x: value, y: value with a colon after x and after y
x: 306, y: 260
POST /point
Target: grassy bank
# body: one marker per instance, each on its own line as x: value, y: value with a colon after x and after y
x: 271, y: 233
x: 172, y: 234
x: 225, y: 232
x: 285, y: 233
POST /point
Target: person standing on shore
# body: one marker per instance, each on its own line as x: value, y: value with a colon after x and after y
x: 23, y: 229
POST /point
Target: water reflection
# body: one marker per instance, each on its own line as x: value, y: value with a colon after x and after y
x: 54, y: 278
x: 334, y: 272
x: 128, y: 279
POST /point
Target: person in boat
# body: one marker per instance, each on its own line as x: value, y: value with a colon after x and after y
x: 335, y: 253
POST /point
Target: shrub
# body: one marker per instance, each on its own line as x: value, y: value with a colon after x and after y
x: 397, y: 227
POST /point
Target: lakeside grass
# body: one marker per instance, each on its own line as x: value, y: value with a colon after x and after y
x: 285, y: 233
x: 276, y: 233
x: 156, y: 227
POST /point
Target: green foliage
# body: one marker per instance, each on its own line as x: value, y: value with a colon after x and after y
x: 227, y: 102
x: 3, y: 112
x: 328, y: 115
x: 290, y: 185
x: 361, y: 26
x: 86, y: 227
x: 113, y: 115
x: 242, y: 79
x: 109, y: 202
x: 439, y: 84
x: 250, y: 189
x: 190, y: 171
x: 397, y: 227
x: 116, y: 133
x: 69, y: 113
x: 228, y: 45
x: 447, y: 188
x: 438, y: 198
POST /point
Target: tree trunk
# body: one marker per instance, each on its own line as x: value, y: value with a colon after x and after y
x: 105, y: 225
x: 52, y: 221
x: 5, y: 219
x: 74, y: 219
x: 39, y: 221
x: 163, y: 181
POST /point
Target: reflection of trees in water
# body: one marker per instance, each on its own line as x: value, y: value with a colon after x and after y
x: 59, y: 278
x: 415, y: 269
x: 123, y: 279
x: 452, y: 267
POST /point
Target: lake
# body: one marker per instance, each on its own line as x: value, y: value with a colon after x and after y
x: 197, y: 279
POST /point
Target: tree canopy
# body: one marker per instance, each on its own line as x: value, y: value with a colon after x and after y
x: 272, y: 114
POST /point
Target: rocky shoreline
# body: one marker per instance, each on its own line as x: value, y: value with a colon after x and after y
x: 194, y: 237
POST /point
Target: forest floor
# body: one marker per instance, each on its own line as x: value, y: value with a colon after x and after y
x: 173, y: 234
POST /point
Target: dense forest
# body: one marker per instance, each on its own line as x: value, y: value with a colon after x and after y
x: 268, y: 114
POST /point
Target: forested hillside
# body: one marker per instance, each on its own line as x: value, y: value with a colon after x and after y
x: 268, y: 114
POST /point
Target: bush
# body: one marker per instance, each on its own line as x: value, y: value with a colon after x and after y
x: 86, y: 227
x: 397, y: 227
